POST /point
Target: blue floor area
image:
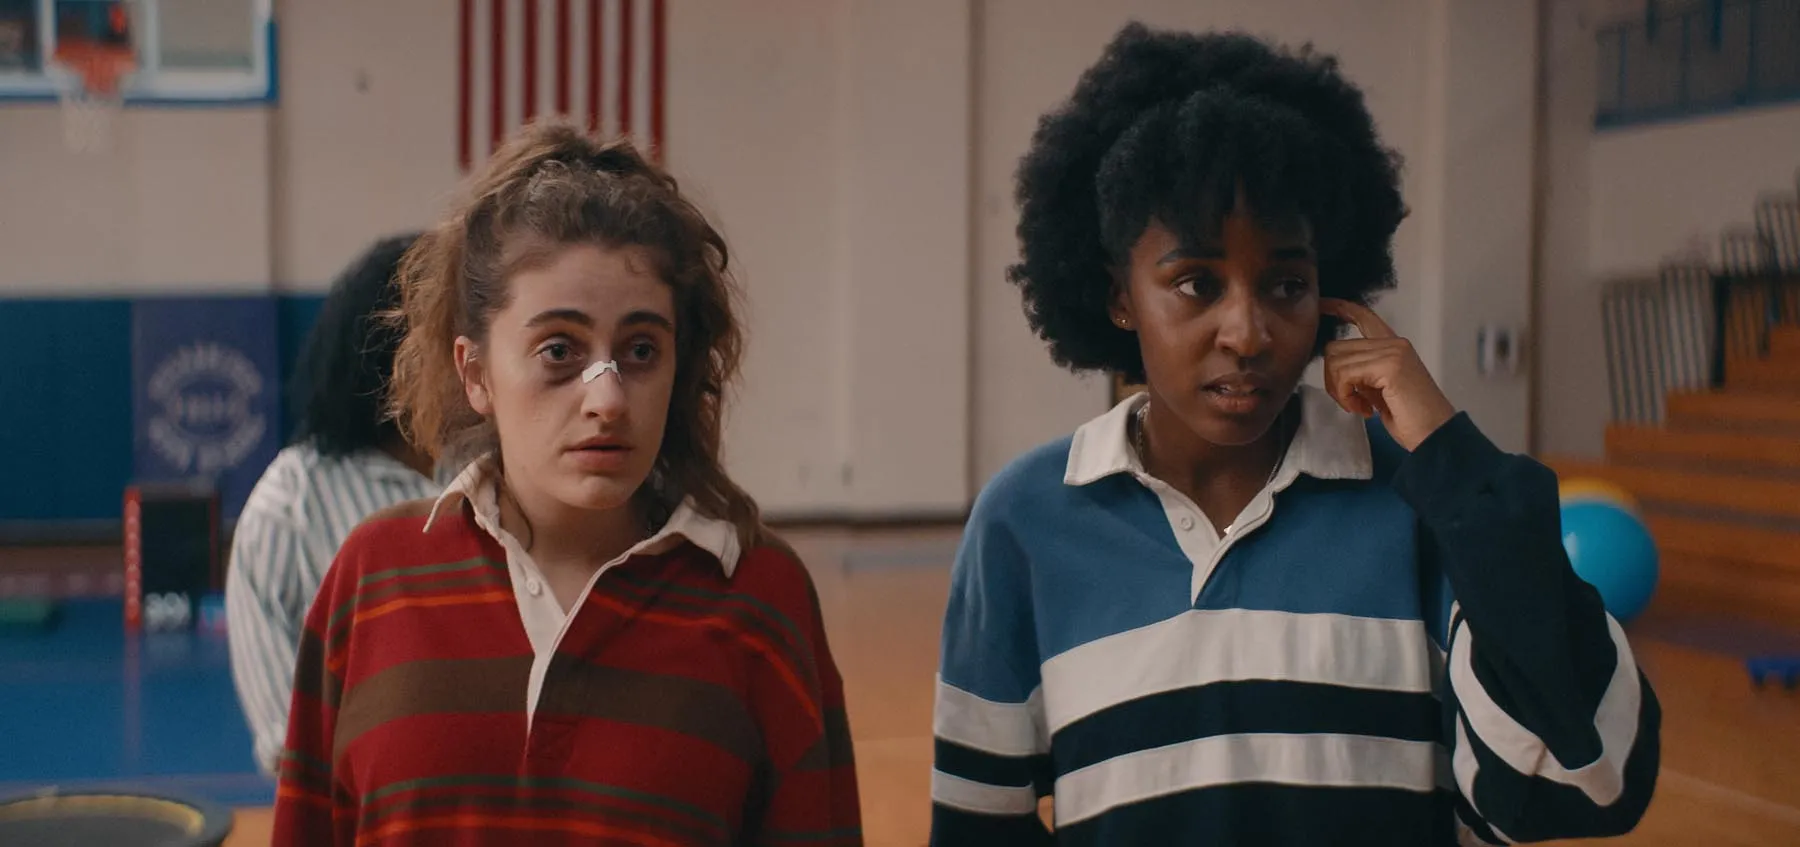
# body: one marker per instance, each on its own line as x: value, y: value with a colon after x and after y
x: 82, y: 705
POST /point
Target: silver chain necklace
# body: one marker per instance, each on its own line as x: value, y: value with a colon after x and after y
x: 1141, y: 441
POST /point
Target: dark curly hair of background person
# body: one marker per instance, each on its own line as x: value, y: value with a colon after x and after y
x: 1168, y: 126
x: 340, y: 378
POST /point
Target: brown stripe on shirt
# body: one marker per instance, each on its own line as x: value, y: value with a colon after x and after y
x: 701, y: 709
x: 429, y: 687
x: 323, y: 686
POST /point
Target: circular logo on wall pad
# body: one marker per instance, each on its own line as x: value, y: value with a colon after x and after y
x: 204, y: 418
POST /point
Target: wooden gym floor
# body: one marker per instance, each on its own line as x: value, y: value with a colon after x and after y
x: 1731, y: 773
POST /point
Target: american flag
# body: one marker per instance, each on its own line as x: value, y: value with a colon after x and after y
x: 600, y: 62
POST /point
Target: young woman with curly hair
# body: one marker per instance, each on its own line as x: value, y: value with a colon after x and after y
x: 1236, y: 609
x: 589, y: 637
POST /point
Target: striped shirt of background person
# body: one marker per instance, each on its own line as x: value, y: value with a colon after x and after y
x: 1385, y: 648
x: 299, y: 512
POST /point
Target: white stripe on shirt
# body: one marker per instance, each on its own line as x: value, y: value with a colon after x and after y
x: 981, y: 798
x: 1315, y: 759
x: 1201, y: 647
x: 296, y: 517
x: 1003, y: 729
x: 1616, y: 723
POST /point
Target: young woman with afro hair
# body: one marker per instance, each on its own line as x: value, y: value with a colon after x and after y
x: 1236, y: 609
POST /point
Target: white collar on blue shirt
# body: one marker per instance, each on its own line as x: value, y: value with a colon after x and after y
x: 1331, y: 443
x: 715, y: 536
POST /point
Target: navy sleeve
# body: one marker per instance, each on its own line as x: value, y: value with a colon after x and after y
x: 1554, y: 730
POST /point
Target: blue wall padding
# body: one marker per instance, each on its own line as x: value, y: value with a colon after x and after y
x: 65, y: 402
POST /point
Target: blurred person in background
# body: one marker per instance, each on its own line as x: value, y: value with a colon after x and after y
x: 347, y: 460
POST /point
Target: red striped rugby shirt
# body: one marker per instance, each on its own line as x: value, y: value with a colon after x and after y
x: 689, y: 699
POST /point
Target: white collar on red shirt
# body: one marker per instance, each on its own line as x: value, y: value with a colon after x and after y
x: 476, y: 483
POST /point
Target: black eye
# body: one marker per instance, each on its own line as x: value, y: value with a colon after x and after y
x: 557, y: 353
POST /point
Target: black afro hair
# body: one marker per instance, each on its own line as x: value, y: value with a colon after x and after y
x: 341, y: 376
x: 1169, y: 126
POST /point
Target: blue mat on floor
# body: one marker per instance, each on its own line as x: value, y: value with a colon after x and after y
x: 1726, y: 636
x: 83, y: 706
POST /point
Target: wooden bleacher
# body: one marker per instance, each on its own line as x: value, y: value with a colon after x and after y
x: 1719, y: 481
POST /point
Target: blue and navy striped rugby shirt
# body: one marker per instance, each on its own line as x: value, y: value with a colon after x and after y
x: 1384, y: 648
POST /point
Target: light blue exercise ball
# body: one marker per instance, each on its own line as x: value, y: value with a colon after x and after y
x: 1612, y: 551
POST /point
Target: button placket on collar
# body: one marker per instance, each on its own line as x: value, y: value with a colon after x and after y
x: 1204, y: 547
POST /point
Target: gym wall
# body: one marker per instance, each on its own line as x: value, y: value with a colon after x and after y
x: 858, y: 155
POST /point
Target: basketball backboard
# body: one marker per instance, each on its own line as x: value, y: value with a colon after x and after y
x: 195, y: 52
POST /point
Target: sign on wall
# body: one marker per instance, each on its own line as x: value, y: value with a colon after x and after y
x: 206, y: 398
x: 599, y: 62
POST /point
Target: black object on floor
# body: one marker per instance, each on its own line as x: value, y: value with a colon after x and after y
x: 121, y: 818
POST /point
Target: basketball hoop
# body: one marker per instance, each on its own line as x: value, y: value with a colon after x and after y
x: 93, y: 95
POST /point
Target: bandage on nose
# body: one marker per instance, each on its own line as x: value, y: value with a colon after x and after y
x: 594, y: 370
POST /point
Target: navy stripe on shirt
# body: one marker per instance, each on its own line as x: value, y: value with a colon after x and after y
x: 1273, y: 814
x: 1246, y: 707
